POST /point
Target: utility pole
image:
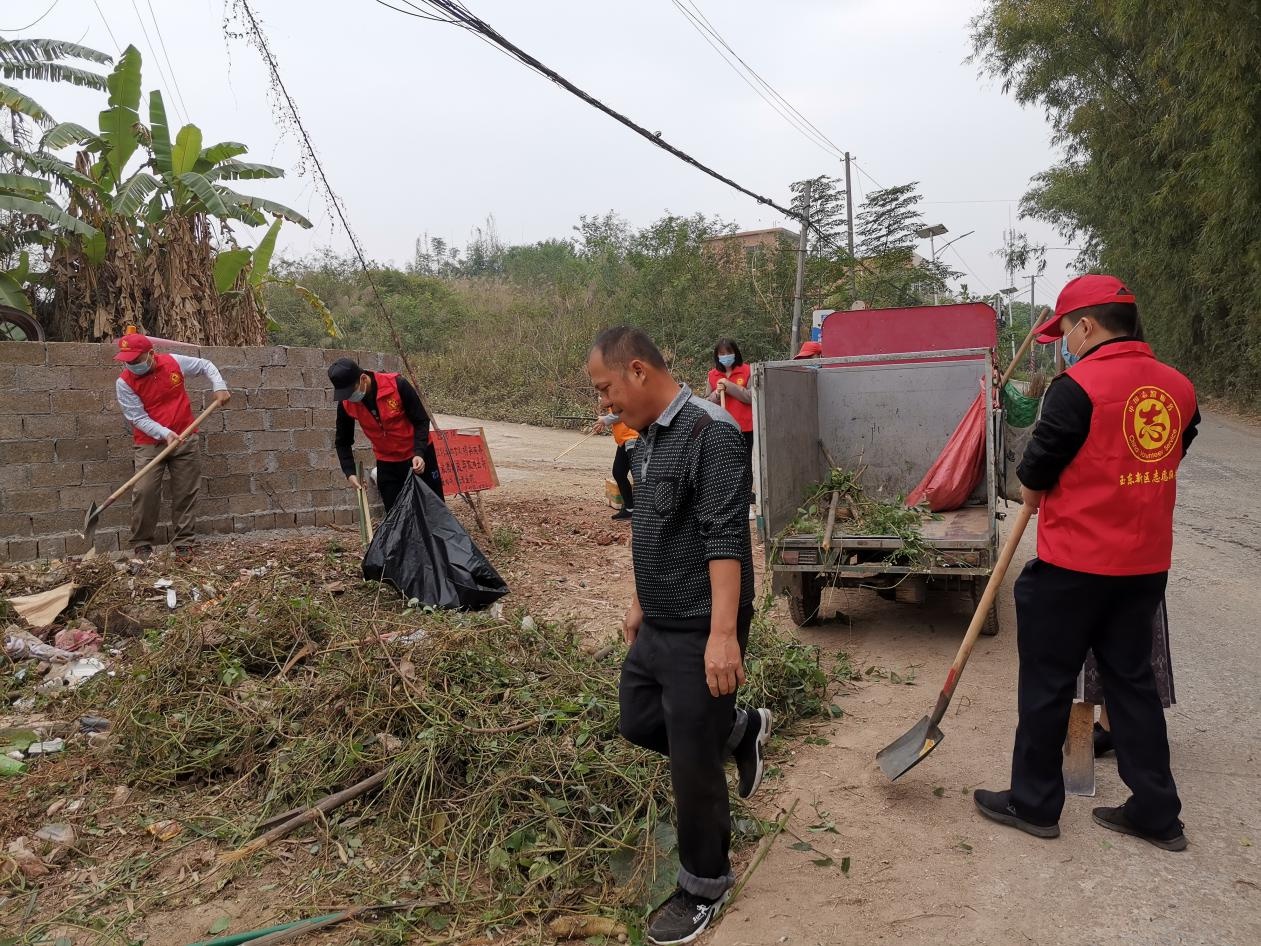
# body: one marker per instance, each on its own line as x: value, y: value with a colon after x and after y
x: 849, y: 216
x: 801, y: 275
x: 1033, y: 318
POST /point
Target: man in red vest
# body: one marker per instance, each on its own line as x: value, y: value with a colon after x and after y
x: 389, y: 410
x: 1102, y: 470
x: 154, y: 401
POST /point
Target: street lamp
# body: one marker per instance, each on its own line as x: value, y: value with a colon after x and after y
x: 930, y: 234
x: 999, y: 299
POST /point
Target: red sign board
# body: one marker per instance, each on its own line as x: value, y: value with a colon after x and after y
x: 464, y: 452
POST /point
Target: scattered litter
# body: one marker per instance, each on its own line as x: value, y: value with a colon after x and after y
x: 497, y: 610
x: 389, y: 742
x: 166, y: 830
x: 414, y: 637
x: 21, y: 644
x: 258, y: 572
x: 41, y: 609
x: 527, y: 624
x: 163, y: 583
x: 57, y: 833
x: 11, y: 766
x: 24, y: 704
x: 72, y: 674
x: 47, y: 747
x: 78, y: 638
x: 170, y: 598
x: 93, y: 724
x: 27, y: 860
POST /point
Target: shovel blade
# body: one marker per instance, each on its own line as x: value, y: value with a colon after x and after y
x: 89, y: 521
x: 909, y: 749
x: 1079, y: 751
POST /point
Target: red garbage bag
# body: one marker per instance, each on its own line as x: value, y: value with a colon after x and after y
x: 959, y: 467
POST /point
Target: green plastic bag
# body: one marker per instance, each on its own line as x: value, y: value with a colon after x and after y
x: 1021, y: 409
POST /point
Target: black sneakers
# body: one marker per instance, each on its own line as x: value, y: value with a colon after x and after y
x: 682, y: 918
x: 997, y: 806
x: 622, y: 514
x: 1115, y: 819
x: 748, y: 754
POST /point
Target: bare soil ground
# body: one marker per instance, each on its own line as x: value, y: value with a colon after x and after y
x: 923, y: 867
x: 908, y: 863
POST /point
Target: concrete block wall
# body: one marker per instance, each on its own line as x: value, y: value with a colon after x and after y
x: 267, y: 457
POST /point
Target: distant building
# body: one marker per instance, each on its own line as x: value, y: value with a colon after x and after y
x: 750, y: 241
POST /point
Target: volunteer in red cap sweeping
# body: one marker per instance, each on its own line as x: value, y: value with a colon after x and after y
x: 154, y: 401
x: 1102, y: 469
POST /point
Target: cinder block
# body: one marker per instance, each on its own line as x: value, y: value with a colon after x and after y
x: 26, y: 451
x: 282, y: 376
x: 76, y: 449
x: 316, y: 397
x: 248, y: 503
x: 268, y: 398
x: 21, y: 550
x: 226, y: 357
x: 226, y: 444
x: 265, y: 520
x: 105, y: 424
x: 14, y: 522
x: 243, y: 378
x: 54, y: 547
x: 109, y: 540
x: 327, y: 498
x: 304, y: 518
x: 89, y: 379
x: 30, y: 402
x: 234, y: 484
x: 16, y: 476
x: 10, y: 424
x: 67, y: 519
x: 23, y: 353
x: 269, y: 355
x: 78, y: 497
x: 77, y: 545
x: 270, y: 440
x: 214, y: 524
x: 290, y: 418
x: 57, y: 474
x: 8, y: 379
x: 68, y: 354
x: 112, y: 472
x: 324, y: 517
x: 290, y: 461
x: 50, y: 427
x: 214, y: 424
x: 314, y: 438
x: 304, y: 357
x: 344, y: 516
x: 245, y: 420
x: 77, y: 402
x: 37, y: 500
x: 117, y: 516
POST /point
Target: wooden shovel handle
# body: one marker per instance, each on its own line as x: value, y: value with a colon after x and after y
x: 200, y: 419
x: 1020, y: 353
x: 982, y: 609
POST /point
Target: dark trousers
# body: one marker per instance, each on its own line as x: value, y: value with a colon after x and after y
x: 1062, y: 614
x: 621, y: 475
x: 392, y: 477
x: 748, y: 450
x: 666, y: 706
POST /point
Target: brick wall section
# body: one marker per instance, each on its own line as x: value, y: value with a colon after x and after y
x: 268, y: 459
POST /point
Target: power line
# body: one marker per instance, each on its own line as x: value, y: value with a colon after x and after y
x: 984, y: 284
x: 166, y: 83
x: 879, y: 186
x: 265, y: 51
x: 165, y: 55
x: 38, y: 20
x: 781, y: 106
x: 117, y: 45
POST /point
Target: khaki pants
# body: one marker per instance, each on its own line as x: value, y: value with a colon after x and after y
x: 184, y: 465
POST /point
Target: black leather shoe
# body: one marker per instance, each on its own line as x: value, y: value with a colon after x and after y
x: 997, y: 806
x: 1103, y: 741
x: 1115, y: 819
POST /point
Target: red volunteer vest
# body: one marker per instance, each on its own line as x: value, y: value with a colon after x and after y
x: 1111, y: 513
x: 162, y: 393
x: 393, y: 437
x: 740, y: 412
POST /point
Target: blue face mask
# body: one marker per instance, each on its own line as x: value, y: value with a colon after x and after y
x: 357, y: 396
x: 726, y: 360
x: 1069, y: 358
x: 140, y: 369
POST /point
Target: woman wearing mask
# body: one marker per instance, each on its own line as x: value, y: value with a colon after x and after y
x: 729, y: 386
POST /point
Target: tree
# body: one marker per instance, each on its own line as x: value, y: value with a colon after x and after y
x: 1161, y: 136
x: 888, y: 271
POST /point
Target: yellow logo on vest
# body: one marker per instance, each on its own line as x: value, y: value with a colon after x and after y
x: 1152, y: 424
x: 176, y: 379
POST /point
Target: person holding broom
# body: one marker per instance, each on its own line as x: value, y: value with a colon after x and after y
x: 392, y: 416
x: 689, y: 619
x: 1101, y: 469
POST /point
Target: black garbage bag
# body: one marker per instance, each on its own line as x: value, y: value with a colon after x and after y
x: 423, y: 551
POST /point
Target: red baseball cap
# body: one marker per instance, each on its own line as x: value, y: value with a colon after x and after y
x: 132, y: 347
x: 809, y: 350
x: 1082, y: 293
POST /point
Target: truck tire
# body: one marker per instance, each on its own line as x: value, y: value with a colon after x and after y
x: 990, y: 627
x: 804, y: 607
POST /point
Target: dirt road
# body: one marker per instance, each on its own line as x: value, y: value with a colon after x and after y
x: 923, y: 867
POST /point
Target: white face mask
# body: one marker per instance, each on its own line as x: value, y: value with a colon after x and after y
x: 1068, y: 352
x: 357, y: 396
x: 141, y: 367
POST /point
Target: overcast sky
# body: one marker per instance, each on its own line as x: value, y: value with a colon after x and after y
x: 423, y: 128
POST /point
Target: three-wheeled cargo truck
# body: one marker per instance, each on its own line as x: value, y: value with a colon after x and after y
x: 890, y: 389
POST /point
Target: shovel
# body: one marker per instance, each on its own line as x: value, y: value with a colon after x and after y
x: 365, y: 511
x: 94, y: 511
x: 1079, y: 746
x: 904, y: 753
